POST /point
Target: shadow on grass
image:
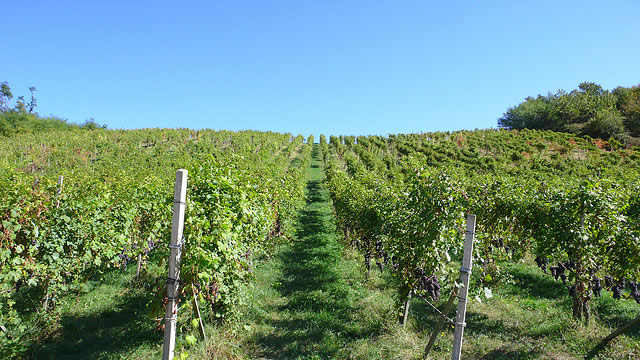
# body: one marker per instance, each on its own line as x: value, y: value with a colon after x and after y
x: 476, y: 323
x: 499, y: 354
x: 616, y: 313
x: 530, y: 282
x: 113, y: 333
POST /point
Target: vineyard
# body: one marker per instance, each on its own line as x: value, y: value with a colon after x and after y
x: 571, y: 203
x: 76, y: 204
x: 357, y: 239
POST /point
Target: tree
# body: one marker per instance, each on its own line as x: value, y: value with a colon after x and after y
x: 630, y: 109
x: 591, y: 89
x: 606, y: 124
x: 91, y: 124
x: 33, y: 103
x: 21, y: 107
x: 5, y: 96
x: 533, y: 113
x: 588, y: 110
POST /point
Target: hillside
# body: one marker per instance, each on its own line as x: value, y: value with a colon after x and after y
x: 282, y: 273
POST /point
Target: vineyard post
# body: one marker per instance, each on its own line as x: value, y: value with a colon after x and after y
x: 440, y: 322
x: 59, y: 191
x: 405, y: 312
x: 612, y: 336
x: 177, y: 240
x: 465, y: 274
x: 139, y: 266
x: 200, y: 324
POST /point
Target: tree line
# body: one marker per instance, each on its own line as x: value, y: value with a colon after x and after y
x: 589, y: 110
x: 19, y: 116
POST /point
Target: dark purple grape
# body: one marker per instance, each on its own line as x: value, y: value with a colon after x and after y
x: 608, y: 281
x: 596, y: 286
x: 617, y: 292
x: 622, y: 283
x: 367, y: 261
x: 542, y: 263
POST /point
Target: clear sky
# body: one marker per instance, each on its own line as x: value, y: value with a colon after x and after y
x: 324, y: 66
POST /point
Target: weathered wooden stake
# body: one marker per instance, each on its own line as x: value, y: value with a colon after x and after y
x: 624, y: 328
x: 201, y: 325
x: 465, y: 274
x: 171, y: 311
x: 438, y: 327
x: 139, y: 266
x: 405, y: 313
x: 59, y: 191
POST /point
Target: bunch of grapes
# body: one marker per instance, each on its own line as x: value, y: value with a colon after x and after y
x: 379, y: 248
x: 430, y: 284
x: 124, y: 257
x: 367, y: 260
x: 558, y: 272
x: 150, y: 246
x: 617, y: 292
x: 633, y: 286
x: 542, y: 263
x: 395, y: 263
x: 596, y: 285
x: 381, y: 254
x: 608, y: 281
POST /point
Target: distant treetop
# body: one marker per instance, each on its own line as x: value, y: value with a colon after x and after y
x: 589, y: 110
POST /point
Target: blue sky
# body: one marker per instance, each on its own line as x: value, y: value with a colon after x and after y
x: 330, y: 66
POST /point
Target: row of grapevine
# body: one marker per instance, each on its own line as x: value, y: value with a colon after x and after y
x: 244, y: 191
x: 565, y: 199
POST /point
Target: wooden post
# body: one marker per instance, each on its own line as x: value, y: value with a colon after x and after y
x: 139, y: 266
x: 436, y: 330
x: 171, y: 311
x: 200, y: 324
x: 405, y: 313
x: 613, y: 335
x: 465, y: 274
x: 59, y: 191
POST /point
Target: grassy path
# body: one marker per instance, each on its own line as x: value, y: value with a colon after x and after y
x: 308, y: 305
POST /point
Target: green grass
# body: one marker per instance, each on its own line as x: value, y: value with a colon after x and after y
x: 108, y: 319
